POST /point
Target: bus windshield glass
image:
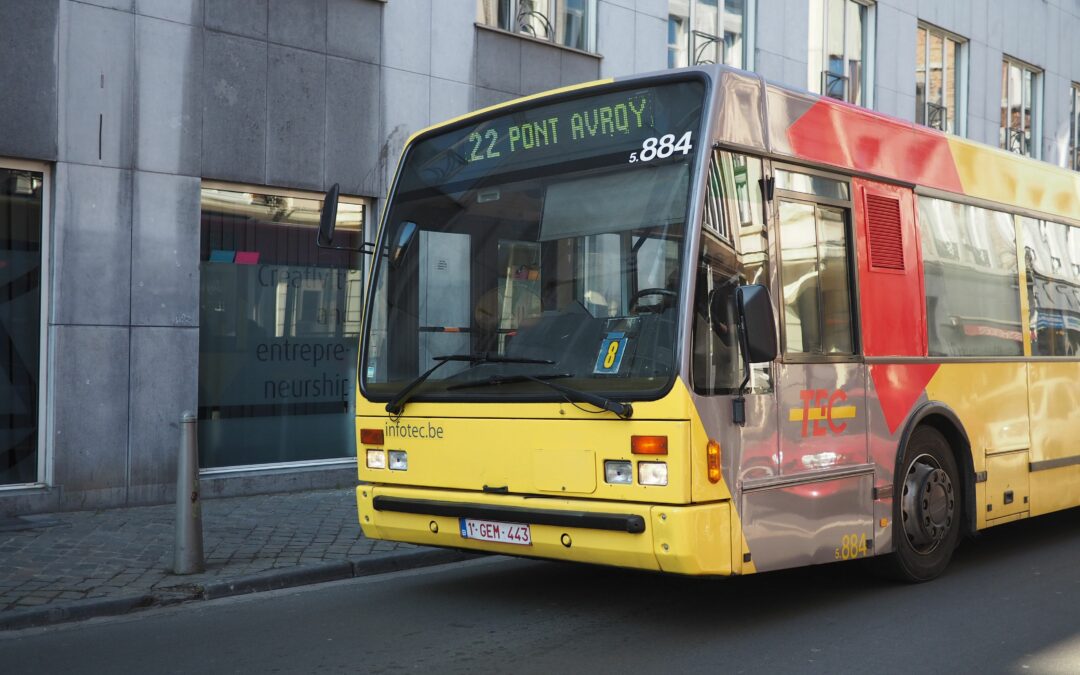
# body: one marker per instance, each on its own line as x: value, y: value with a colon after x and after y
x: 548, y: 240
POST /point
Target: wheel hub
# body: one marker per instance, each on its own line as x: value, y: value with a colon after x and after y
x: 928, y: 504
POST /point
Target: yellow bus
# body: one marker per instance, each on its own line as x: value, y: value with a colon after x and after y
x: 700, y: 323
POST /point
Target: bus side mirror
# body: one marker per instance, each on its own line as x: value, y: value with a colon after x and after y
x: 328, y: 218
x: 757, y: 328
x: 757, y: 338
x: 403, y: 239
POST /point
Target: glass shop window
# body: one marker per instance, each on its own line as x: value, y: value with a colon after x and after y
x: 278, y: 331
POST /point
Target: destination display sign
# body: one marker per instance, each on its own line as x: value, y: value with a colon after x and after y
x: 644, y: 124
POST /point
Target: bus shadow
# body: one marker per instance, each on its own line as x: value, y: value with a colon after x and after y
x: 1008, y: 555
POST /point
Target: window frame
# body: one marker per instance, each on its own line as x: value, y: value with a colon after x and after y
x: 776, y: 239
x: 749, y: 22
x: 959, y: 114
x: 45, y: 412
x: 551, y: 18
x: 816, y: 79
x: 369, y: 221
x: 1037, y: 84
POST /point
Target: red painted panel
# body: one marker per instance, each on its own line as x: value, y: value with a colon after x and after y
x: 851, y: 137
x: 899, y: 386
x: 891, y: 302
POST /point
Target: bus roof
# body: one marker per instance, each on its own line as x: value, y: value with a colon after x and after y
x: 779, y: 120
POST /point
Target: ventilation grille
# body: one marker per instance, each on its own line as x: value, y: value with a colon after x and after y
x: 886, y: 234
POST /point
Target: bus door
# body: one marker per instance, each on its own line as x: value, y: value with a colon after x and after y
x: 819, y: 507
x: 734, y: 252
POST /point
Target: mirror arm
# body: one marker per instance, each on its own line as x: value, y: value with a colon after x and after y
x: 738, y: 404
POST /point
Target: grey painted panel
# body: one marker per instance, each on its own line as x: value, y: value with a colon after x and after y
x: 92, y: 246
x: 771, y: 66
x: 182, y: 11
x: 168, y: 112
x: 408, y: 22
x: 352, y: 127
x: 164, y: 372
x: 296, y: 118
x: 795, y: 73
x: 27, y: 502
x: 578, y: 68
x: 805, y: 524
x: 541, y: 67
x: 96, y: 111
x: 657, y: 8
x: 448, y: 99
x: 89, y: 368
x: 650, y: 40
x: 979, y: 80
x: 354, y: 29
x: 405, y: 108
x: 482, y: 98
x: 772, y: 40
x: 796, y: 17
x: 296, y: 480
x: 165, y: 250
x: 452, y: 40
x: 122, y: 5
x: 614, y: 40
x: 28, y: 71
x: 498, y: 61
x: 299, y: 23
x: 234, y: 108
x: 739, y: 120
x: 244, y: 17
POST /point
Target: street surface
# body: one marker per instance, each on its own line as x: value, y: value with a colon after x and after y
x: 1010, y: 603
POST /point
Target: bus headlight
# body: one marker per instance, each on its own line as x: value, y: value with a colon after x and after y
x: 652, y: 473
x: 399, y: 460
x: 618, y: 472
x: 376, y: 459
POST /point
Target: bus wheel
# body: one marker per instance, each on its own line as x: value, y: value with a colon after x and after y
x: 927, y: 507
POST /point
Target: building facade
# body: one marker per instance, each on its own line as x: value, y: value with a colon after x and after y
x: 162, y: 163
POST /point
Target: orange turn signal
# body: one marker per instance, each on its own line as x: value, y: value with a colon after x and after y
x: 648, y: 445
x: 713, y: 453
x: 371, y: 437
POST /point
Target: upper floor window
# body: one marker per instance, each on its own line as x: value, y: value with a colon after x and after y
x: 708, y: 31
x: 940, y: 74
x: 1074, y: 128
x: 841, y: 45
x: 570, y: 23
x: 1021, y: 108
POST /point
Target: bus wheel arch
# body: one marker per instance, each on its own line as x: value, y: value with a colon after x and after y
x: 933, y: 459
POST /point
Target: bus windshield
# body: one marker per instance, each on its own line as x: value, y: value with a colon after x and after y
x: 550, y: 238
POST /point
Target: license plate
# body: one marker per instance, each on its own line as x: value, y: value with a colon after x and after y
x: 490, y: 530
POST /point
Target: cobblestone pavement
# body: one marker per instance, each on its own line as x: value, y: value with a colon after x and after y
x: 128, y: 551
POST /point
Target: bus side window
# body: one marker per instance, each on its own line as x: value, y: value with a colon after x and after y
x: 815, y: 269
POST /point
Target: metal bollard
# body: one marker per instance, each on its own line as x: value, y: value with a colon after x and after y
x: 188, y: 549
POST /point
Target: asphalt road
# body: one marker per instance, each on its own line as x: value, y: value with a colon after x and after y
x: 1010, y: 602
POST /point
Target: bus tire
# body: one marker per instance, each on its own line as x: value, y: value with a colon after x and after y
x: 927, y: 508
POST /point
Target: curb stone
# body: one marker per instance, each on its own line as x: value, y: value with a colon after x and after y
x: 271, y: 580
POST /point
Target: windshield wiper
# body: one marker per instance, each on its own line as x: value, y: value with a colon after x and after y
x: 397, y: 403
x: 622, y: 410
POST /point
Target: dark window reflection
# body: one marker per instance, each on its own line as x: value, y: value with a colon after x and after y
x: 278, y: 332
x: 1052, y: 257
x: 20, y: 323
x: 972, y: 282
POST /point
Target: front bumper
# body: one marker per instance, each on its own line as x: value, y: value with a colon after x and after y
x: 692, y: 539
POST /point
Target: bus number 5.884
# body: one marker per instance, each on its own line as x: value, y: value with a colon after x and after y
x: 662, y: 147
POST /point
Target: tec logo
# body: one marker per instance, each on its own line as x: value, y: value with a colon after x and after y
x: 820, y: 410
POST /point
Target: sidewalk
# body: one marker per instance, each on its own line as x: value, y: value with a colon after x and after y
x: 71, y: 566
